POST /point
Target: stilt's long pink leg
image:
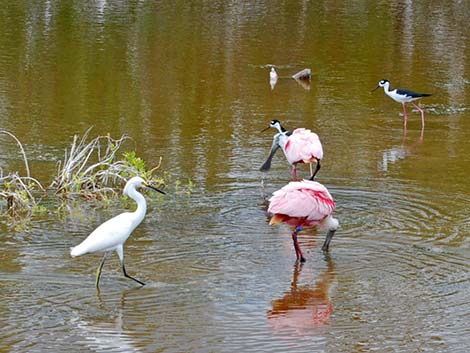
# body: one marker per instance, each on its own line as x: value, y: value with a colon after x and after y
x: 422, y: 115
x: 405, y: 116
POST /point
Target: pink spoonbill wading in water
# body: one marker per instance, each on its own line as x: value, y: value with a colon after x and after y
x: 403, y: 96
x: 299, y: 146
x: 304, y: 203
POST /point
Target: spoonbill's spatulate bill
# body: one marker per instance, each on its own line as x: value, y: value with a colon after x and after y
x: 112, y: 234
x: 299, y: 146
x: 403, y: 96
x: 304, y: 203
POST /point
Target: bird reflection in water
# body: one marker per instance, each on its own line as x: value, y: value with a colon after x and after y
x: 398, y: 153
x: 304, y: 307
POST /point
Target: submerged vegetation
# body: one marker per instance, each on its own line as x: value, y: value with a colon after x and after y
x: 92, y: 169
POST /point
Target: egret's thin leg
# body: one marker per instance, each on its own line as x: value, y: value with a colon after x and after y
x: 120, y: 251
x: 98, y: 271
x: 126, y: 275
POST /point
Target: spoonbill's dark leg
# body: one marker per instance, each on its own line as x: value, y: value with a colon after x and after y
x: 298, y: 252
x: 294, y: 172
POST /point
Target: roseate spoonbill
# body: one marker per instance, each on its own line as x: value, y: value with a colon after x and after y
x: 403, y: 96
x: 304, y: 203
x: 112, y: 234
x: 299, y: 146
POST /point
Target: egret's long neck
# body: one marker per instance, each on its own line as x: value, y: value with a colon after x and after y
x: 139, y: 213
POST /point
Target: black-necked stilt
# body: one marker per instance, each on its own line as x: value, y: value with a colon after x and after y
x: 403, y: 96
x: 299, y: 146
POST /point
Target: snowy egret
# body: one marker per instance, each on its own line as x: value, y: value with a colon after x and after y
x: 304, y: 203
x: 112, y: 234
x: 403, y: 96
x: 299, y: 146
x: 273, y: 75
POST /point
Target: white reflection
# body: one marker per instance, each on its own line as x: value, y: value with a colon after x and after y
x: 391, y: 156
x: 398, y: 153
x: 108, y: 335
x: 272, y: 82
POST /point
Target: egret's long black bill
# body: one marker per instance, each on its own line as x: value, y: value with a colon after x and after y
x: 156, y: 189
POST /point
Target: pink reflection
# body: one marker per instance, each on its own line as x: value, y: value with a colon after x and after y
x: 303, y: 307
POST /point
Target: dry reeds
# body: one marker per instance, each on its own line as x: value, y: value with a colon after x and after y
x: 18, y: 190
x: 90, y: 169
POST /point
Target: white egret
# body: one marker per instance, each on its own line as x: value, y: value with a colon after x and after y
x: 112, y: 234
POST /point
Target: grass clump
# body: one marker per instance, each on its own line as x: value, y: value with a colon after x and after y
x: 93, y: 170
x: 18, y: 190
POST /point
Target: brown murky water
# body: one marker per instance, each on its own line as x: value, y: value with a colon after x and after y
x: 189, y: 81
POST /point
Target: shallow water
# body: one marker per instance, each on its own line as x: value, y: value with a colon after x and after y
x: 189, y: 81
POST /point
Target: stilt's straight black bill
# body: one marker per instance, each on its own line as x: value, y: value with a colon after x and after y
x: 266, y: 129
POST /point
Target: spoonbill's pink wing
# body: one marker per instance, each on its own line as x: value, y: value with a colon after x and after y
x: 303, y: 146
x: 302, y: 199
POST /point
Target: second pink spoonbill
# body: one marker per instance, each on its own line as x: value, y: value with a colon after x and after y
x: 299, y: 146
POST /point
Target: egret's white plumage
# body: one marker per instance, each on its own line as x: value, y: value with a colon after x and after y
x: 112, y: 234
x: 108, y: 236
x: 273, y: 74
